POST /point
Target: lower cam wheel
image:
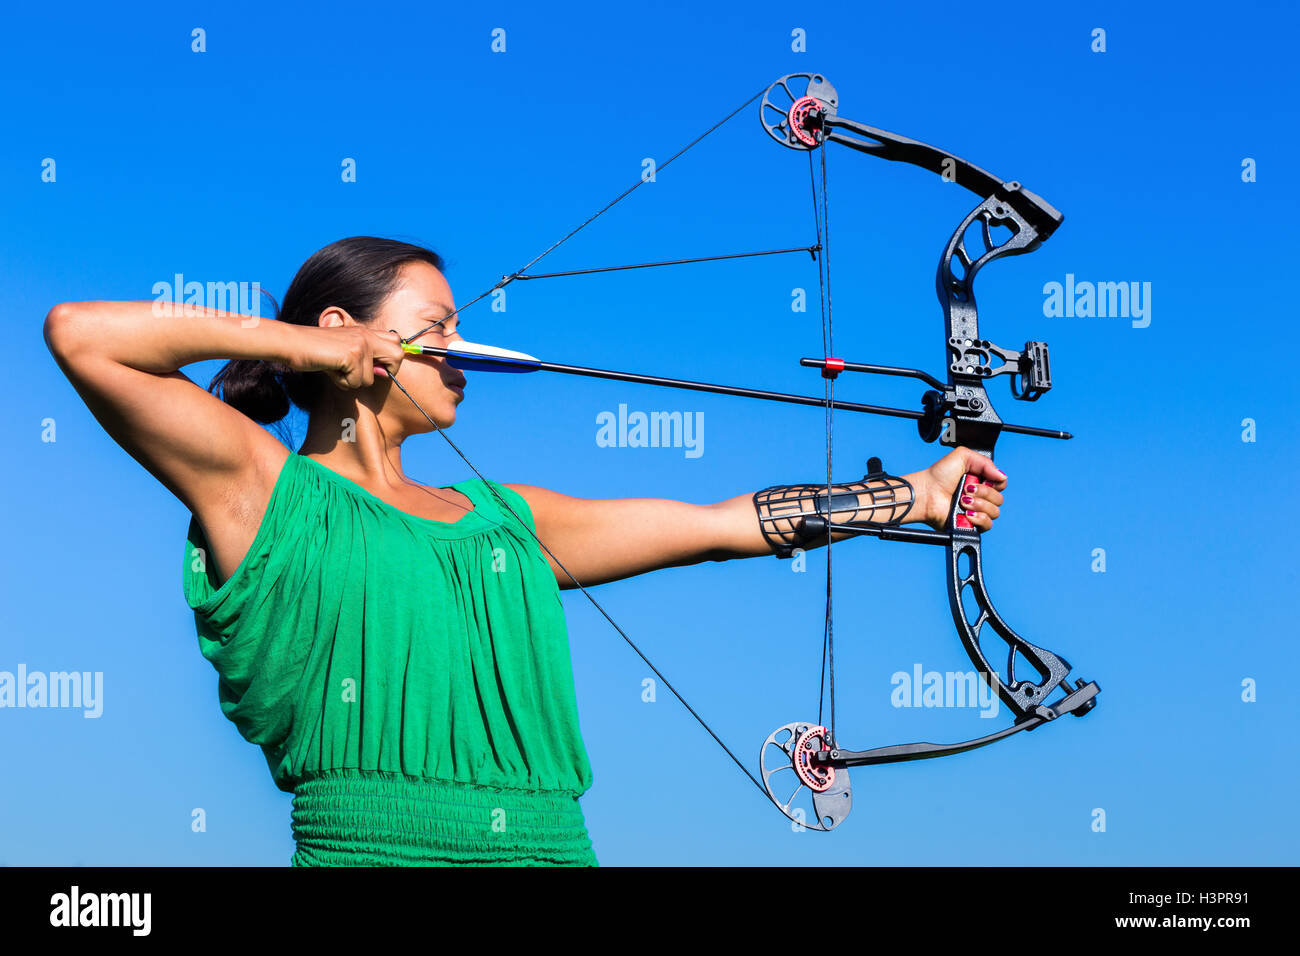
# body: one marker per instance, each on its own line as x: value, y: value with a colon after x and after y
x: 815, y: 796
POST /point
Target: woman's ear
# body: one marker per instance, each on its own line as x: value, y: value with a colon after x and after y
x: 333, y: 317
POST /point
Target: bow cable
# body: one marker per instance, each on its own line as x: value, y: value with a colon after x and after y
x: 500, y: 500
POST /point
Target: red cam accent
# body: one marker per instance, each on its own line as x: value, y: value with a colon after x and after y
x: 798, y: 113
x: 832, y: 368
x: 809, y: 743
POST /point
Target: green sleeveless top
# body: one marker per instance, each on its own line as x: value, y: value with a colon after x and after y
x: 408, y: 680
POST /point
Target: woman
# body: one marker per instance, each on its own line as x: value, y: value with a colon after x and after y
x: 399, y: 650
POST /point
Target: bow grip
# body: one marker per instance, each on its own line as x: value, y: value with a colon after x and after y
x: 959, y: 519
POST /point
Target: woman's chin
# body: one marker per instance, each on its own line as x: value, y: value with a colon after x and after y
x: 445, y: 416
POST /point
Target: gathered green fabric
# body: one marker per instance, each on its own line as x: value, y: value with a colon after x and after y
x: 408, y: 680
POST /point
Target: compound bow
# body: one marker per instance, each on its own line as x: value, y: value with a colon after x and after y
x: 799, y: 112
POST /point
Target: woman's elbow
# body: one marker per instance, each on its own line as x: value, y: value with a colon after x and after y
x: 64, y: 326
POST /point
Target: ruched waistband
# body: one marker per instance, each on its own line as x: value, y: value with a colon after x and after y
x: 370, y: 818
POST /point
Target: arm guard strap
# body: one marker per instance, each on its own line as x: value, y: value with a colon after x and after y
x: 877, y: 500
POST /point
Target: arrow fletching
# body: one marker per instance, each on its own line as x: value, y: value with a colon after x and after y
x: 474, y: 357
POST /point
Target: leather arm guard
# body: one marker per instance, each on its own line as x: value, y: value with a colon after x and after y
x: 877, y: 500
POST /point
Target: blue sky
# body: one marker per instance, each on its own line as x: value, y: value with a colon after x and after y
x: 225, y: 166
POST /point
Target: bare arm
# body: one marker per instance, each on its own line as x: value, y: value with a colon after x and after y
x: 606, y: 540
x: 123, y: 358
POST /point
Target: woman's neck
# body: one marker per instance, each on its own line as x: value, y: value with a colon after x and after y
x: 347, y: 437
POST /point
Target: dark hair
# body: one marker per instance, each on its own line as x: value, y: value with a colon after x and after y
x: 354, y: 274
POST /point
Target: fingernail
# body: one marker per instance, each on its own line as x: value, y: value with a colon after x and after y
x: 965, y: 499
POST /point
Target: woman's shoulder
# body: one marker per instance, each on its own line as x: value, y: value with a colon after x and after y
x: 500, y: 500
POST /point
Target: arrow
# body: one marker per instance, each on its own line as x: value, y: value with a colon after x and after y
x: 472, y: 356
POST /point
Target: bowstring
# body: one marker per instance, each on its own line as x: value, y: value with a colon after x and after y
x: 821, y: 217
